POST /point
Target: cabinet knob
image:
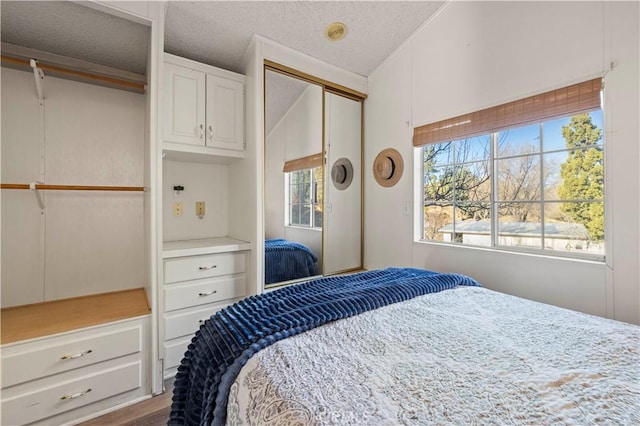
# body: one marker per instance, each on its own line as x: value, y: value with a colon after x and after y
x: 210, y: 133
x: 208, y: 293
x: 201, y: 132
x: 78, y: 355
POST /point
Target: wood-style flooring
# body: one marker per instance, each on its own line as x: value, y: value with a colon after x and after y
x: 152, y: 412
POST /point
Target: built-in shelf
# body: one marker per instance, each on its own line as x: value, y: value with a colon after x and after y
x: 202, y: 246
x: 43, y: 319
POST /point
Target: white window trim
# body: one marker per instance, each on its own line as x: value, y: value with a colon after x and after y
x: 418, y: 219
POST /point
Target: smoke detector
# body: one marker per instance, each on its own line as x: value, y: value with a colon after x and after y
x: 336, y: 31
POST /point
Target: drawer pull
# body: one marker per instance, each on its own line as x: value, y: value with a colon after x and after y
x: 78, y: 355
x: 201, y: 321
x: 75, y: 395
x: 206, y: 268
x: 208, y: 293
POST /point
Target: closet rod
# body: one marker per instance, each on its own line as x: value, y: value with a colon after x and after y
x: 138, y: 87
x: 41, y: 186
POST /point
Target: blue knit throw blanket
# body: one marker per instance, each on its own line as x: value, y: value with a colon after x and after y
x: 279, y: 244
x: 227, y: 340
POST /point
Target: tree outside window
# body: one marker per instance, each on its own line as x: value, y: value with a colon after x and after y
x: 534, y: 187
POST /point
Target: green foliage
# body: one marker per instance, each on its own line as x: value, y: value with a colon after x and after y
x: 583, y: 174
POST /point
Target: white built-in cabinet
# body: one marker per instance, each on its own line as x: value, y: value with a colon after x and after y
x: 100, y: 311
x: 61, y: 378
x: 203, y: 111
x: 200, y: 278
x: 204, y: 269
x: 78, y: 187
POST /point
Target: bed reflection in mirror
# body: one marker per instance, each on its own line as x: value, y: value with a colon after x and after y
x: 293, y: 178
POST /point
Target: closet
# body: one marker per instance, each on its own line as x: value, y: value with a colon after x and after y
x: 76, y: 215
x: 313, y: 172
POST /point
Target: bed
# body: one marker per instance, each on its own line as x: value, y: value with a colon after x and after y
x: 286, y: 260
x: 406, y: 346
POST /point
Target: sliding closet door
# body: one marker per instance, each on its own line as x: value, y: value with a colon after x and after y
x: 343, y: 203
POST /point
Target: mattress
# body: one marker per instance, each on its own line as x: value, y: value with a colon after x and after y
x: 406, y: 346
x: 462, y: 356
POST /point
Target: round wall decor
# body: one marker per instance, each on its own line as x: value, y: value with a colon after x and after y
x: 342, y: 173
x: 388, y: 167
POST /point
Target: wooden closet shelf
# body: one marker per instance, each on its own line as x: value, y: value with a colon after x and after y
x: 47, y: 318
x: 40, y: 187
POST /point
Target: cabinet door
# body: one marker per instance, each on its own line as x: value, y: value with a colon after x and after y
x: 184, y: 105
x: 225, y: 113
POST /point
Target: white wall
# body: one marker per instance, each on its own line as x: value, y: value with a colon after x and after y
x: 304, y: 125
x: 83, y: 242
x: 274, y: 209
x: 201, y: 182
x: 474, y: 55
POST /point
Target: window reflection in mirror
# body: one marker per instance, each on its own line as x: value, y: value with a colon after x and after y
x: 293, y: 206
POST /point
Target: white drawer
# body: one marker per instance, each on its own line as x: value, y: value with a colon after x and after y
x: 187, y: 323
x: 174, y: 352
x: 178, y: 296
x: 47, y: 402
x: 197, y: 267
x: 67, y: 353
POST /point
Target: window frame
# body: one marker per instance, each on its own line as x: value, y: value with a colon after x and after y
x: 494, y: 199
x: 314, y: 182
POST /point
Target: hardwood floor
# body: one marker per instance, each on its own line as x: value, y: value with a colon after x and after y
x: 152, y: 412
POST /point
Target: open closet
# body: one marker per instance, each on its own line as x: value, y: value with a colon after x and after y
x: 77, y: 166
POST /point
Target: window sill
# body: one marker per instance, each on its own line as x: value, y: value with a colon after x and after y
x: 518, y: 252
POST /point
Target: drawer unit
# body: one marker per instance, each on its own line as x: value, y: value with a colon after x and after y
x: 71, y: 353
x: 47, y: 402
x: 174, y: 351
x: 61, y: 378
x: 206, y: 266
x: 186, y: 322
x: 196, y: 286
x: 184, y: 295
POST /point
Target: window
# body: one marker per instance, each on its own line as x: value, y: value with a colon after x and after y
x: 533, y: 187
x: 305, y: 199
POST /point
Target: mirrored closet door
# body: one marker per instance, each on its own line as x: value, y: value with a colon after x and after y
x: 312, y: 179
x: 342, y: 233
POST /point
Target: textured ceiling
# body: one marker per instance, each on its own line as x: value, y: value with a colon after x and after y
x: 218, y: 32
x: 75, y: 31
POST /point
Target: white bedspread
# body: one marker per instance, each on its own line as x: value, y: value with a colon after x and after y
x: 462, y: 356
